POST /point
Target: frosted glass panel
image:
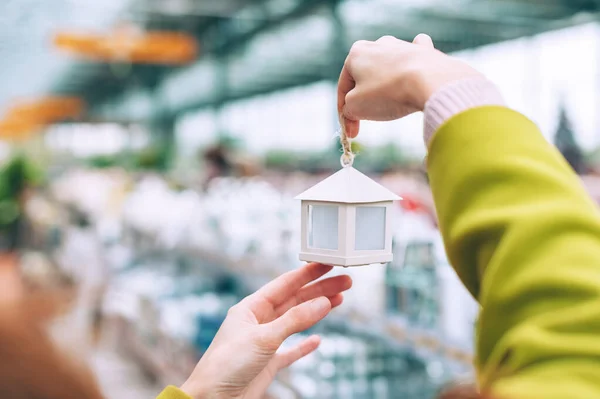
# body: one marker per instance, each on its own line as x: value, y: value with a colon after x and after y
x: 370, y: 228
x: 323, y: 227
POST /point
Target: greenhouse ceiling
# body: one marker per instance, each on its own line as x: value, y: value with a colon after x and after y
x: 246, y: 47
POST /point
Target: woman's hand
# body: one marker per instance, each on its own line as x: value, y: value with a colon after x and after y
x: 390, y: 78
x: 242, y: 361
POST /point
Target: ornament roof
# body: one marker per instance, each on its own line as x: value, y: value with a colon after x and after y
x: 349, y: 186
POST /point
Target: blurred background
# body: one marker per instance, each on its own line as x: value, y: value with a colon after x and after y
x: 150, y: 151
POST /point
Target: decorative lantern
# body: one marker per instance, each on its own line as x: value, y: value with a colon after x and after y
x: 346, y: 219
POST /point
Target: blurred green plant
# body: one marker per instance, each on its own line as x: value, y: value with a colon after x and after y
x: 565, y: 141
x: 592, y: 158
x: 104, y: 161
x: 17, y: 175
x: 9, y: 211
x: 150, y: 158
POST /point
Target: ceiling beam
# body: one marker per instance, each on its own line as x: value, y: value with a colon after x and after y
x: 229, y: 35
x: 488, y: 21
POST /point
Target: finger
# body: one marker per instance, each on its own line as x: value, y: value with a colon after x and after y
x: 423, y: 40
x: 328, y: 288
x: 351, y: 127
x: 291, y: 356
x: 346, y: 84
x: 298, y: 318
x: 268, y: 298
x: 336, y: 300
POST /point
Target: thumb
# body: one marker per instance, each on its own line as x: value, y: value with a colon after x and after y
x: 351, y: 127
x: 299, y: 318
x: 289, y: 357
x: 423, y: 40
x: 261, y: 383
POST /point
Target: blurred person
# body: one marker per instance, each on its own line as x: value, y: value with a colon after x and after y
x: 225, y: 159
x: 31, y: 366
x: 217, y: 163
x: 518, y: 226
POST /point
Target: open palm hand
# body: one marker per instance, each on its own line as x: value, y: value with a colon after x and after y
x: 242, y: 360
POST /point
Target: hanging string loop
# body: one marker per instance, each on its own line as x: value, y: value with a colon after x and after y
x: 347, y: 158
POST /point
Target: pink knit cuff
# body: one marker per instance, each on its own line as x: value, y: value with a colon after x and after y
x: 455, y: 98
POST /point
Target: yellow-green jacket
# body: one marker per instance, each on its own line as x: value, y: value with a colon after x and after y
x: 524, y: 237
x: 172, y: 392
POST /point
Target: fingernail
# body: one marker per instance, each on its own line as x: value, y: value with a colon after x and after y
x: 320, y: 304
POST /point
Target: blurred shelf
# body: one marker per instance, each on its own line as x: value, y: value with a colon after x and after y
x: 254, y: 272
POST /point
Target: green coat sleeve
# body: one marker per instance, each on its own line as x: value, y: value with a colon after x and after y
x: 524, y: 237
x: 172, y: 392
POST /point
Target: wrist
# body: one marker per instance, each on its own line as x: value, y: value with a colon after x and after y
x: 430, y: 80
x: 456, y: 97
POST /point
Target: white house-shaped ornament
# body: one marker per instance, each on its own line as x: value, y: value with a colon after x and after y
x: 346, y: 221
